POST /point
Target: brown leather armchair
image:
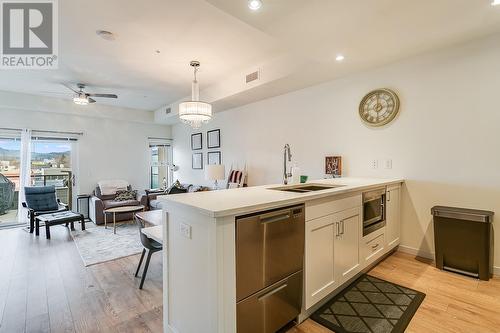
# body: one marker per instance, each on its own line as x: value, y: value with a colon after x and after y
x: 99, y: 202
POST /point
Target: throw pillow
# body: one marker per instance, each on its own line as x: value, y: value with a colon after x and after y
x: 125, y: 195
x: 176, y: 187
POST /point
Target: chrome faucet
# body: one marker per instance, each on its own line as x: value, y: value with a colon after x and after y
x: 286, y: 151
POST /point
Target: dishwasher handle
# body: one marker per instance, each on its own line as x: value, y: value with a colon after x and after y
x: 278, y: 217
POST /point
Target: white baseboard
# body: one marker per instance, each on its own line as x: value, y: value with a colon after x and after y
x: 430, y: 255
x: 416, y: 252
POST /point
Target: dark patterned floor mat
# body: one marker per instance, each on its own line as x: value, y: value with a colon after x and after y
x: 370, y: 305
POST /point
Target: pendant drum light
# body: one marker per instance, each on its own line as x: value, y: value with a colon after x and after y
x: 194, y: 112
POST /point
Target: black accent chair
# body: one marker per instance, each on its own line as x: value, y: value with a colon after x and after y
x: 41, y: 200
x: 151, y: 245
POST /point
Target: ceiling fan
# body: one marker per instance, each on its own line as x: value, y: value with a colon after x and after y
x: 83, y: 98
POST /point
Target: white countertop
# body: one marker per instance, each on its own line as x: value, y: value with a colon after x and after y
x: 252, y: 199
x: 155, y: 233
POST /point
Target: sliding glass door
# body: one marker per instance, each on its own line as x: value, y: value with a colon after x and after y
x: 51, y: 165
x: 49, y: 161
x: 10, y: 161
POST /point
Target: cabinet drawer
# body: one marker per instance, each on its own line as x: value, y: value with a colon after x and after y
x: 374, y: 249
x: 270, y: 309
x: 330, y: 205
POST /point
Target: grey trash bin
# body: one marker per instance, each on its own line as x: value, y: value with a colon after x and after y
x: 464, y: 241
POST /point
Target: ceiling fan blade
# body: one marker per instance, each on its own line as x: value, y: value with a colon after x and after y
x: 54, y: 93
x: 104, y: 95
x: 73, y: 90
x: 91, y: 100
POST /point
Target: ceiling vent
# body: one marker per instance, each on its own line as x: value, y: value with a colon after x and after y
x: 252, y: 77
x: 168, y: 110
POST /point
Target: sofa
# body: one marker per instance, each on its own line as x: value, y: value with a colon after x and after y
x: 149, y: 199
x: 99, y: 202
x: 152, y: 196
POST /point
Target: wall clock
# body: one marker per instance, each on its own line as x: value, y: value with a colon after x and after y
x: 379, y: 107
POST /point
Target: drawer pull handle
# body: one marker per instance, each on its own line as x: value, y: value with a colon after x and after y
x: 272, y: 292
x: 375, y: 246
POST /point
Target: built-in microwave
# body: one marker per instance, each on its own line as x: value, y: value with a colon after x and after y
x: 373, y: 210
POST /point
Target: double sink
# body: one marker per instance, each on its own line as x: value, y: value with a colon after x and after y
x: 305, y: 188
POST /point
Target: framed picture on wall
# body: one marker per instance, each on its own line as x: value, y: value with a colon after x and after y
x: 333, y: 166
x: 197, y: 141
x: 197, y: 162
x: 213, y: 157
x: 213, y: 139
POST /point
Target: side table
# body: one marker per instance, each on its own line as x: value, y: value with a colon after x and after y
x: 85, y: 197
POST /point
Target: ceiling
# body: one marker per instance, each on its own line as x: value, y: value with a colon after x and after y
x: 229, y: 40
x: 129, y: 66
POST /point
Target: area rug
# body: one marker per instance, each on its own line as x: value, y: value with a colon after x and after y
x: 97, y: 245
x: 370, y: 305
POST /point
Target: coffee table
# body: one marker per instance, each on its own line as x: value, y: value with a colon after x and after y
x: 120, y: 210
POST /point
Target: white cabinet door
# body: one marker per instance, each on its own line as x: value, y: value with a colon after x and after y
x: 346, y: 250
x: 393, y: 216
x: 320, y: 277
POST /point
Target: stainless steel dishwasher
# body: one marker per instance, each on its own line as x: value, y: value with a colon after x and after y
x: 269, y: 263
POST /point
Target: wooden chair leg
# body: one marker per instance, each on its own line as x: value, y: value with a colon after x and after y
x: 145, y: 269
x: 140, y: 262
x: 47, y: 230
x: 37, y: 227
x: 83, y: 223
x: 72, y: 226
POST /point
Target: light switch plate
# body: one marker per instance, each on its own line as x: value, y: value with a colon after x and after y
x: 185, y: 230
x: 388, y: 163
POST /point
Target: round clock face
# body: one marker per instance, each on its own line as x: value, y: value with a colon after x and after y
x: 379, y: 107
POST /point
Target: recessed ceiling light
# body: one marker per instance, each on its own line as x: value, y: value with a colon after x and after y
x: 106, y: 35
x: 495, y: 3
x: 339, y: 57
x: 254, y: 4
x: 157, y: 51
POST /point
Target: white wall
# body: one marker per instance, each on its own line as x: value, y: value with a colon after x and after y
x: 444, y: 142
x: 111, y: 147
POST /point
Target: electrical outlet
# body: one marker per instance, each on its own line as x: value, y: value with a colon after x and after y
x: 185, y: 230
x: 374, y: 164
x: 388, y: 163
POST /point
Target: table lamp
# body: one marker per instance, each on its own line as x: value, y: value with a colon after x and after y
x: 215, y: 172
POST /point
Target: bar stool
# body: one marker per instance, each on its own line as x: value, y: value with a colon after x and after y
x: 150, y: 245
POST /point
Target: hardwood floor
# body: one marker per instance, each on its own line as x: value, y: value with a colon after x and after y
x: 44, y: 287
x: 453, y: 304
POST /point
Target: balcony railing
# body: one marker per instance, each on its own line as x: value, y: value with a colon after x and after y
x: 62, y: 182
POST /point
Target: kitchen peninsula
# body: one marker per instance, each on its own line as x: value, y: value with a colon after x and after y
x: 202, y: 244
